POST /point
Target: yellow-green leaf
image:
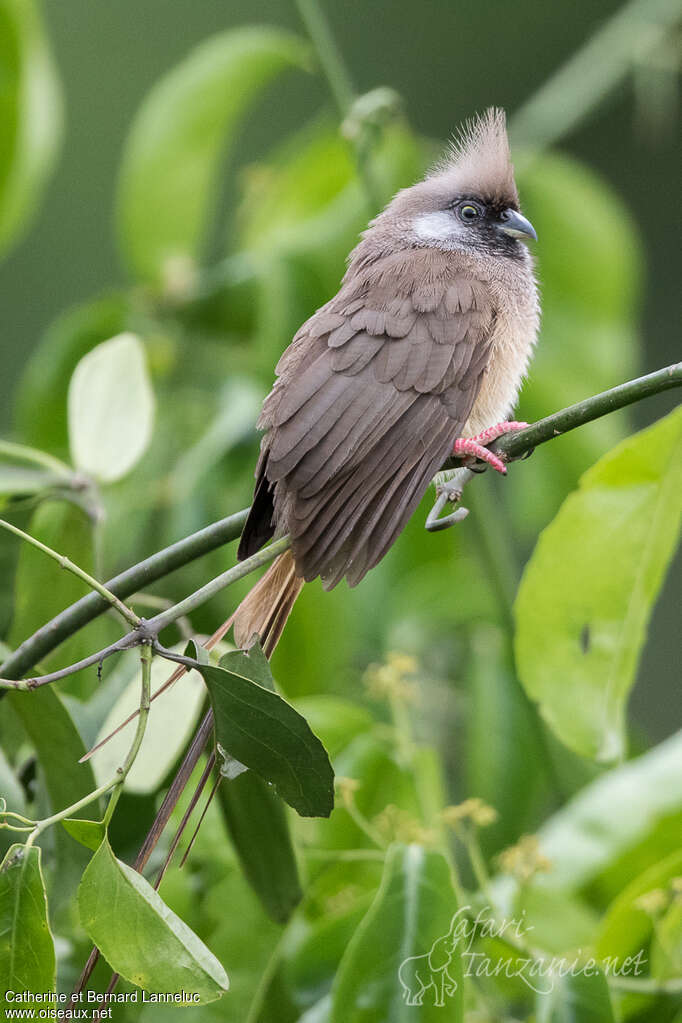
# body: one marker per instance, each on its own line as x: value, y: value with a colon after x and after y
x: 27, y: 960
x: 140, y: 937
x: 30, y: 115
x: 588, y: 590
x: 178, y: 141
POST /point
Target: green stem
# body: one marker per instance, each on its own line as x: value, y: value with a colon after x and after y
x: 146, y: 655
x: 515, y: 445
x: 329, y: 54
x: 471, y: 844
x: 195, y: 600
x: 80, y: 573
x: 158, y: 566
x: 341, y: 88
x: 23, y: 453
x: 166, y: 561
x: 632, y: 35
x: 70, y: 810
x: 115, y: 783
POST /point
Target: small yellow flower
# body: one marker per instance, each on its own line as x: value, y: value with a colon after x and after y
x: 524, y: 859
x: 396, y: 825
x: 390, y: 680
x: 654, y: 902
x: 346, y: 787
x: 474, y: 810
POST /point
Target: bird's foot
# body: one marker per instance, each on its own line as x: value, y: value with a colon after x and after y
x: 471, y: 449
x: 449, y: 492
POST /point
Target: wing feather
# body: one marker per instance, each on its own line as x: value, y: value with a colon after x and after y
x: 372, y: 393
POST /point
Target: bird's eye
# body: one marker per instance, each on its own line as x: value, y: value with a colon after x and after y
x: 469, y: 212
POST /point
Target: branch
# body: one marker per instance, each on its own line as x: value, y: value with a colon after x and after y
x: 513, y: 446
x: 129, y: 616
x: 159, y: 565
x: 147, y: 630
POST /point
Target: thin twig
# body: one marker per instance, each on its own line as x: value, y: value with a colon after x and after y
x: 185, y: 607
x: 341, y: 88
x: 169, y: 803
x: 22, y: 453
x: 28, y: 684
x: 126, y: 613
x: 158, y: 566
x: 511, y: 446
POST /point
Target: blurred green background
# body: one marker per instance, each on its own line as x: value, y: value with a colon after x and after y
x: 446, y: 61
x: 444, y: 717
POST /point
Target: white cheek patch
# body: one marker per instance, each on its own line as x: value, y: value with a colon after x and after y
x: 438, y: 226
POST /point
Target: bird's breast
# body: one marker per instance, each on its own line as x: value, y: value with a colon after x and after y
x: 514, y: 337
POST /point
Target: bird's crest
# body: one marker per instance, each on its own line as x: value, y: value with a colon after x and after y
x: 479, y: 160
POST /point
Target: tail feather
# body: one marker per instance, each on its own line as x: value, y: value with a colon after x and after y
x: 265, y: 609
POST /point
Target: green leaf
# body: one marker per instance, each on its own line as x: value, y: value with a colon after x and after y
x: 502, y: 748
x: 169, y: 176
x: 590, y: 261
x: 666, y: 949
x: 30, y: 116
x: 58, y: 747
x: 87, y: 833
x: 611, y: 815
x: 27, y: 960
x: 69, y: 530
x: 257, y: 822
x: 140, y: 937
x: 405, y: 950
x: 264, y: 732
x: 41, y: 401
x: 627, y: 927
x: 587, y: 593
x: 111, y: 408
x: 580, y: 998
x: 172, y: 719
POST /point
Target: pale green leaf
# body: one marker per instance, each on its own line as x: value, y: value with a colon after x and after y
x: 111, y: 408
x: 30, y: 116
x: 581, y: 996
x: 172, y: 719
x: 612, y: 815
x: 627, y: 927
x: 140, y: 937
x: 178, y: 142
x: 58, y: 747
x: 589, y: 588
x: 404, y: 962
x: 27, y: 960
x: 87, y: 833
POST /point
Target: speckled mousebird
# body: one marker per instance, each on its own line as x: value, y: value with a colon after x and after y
x: 419, y: 355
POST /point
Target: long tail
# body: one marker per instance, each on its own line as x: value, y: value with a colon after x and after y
x: 264, y: 610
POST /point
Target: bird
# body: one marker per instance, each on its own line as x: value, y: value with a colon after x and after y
x: 420, y: 355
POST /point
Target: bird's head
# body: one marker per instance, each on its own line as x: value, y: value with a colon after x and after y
x: 469, y: 202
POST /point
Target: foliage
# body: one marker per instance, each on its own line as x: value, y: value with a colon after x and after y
x: 134, y: 426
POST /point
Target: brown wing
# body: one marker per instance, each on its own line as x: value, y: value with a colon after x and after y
x: 371, y: 395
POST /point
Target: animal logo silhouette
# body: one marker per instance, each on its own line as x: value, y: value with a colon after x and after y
x: 417, y: 974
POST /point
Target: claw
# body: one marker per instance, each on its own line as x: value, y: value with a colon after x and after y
x: 448, y: 492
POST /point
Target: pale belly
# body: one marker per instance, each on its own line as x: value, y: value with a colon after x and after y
x: 502, y: 381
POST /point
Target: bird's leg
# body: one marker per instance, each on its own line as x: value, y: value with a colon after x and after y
x: 476, y: 447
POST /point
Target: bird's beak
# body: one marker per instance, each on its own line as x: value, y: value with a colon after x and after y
x: 516, y: 225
